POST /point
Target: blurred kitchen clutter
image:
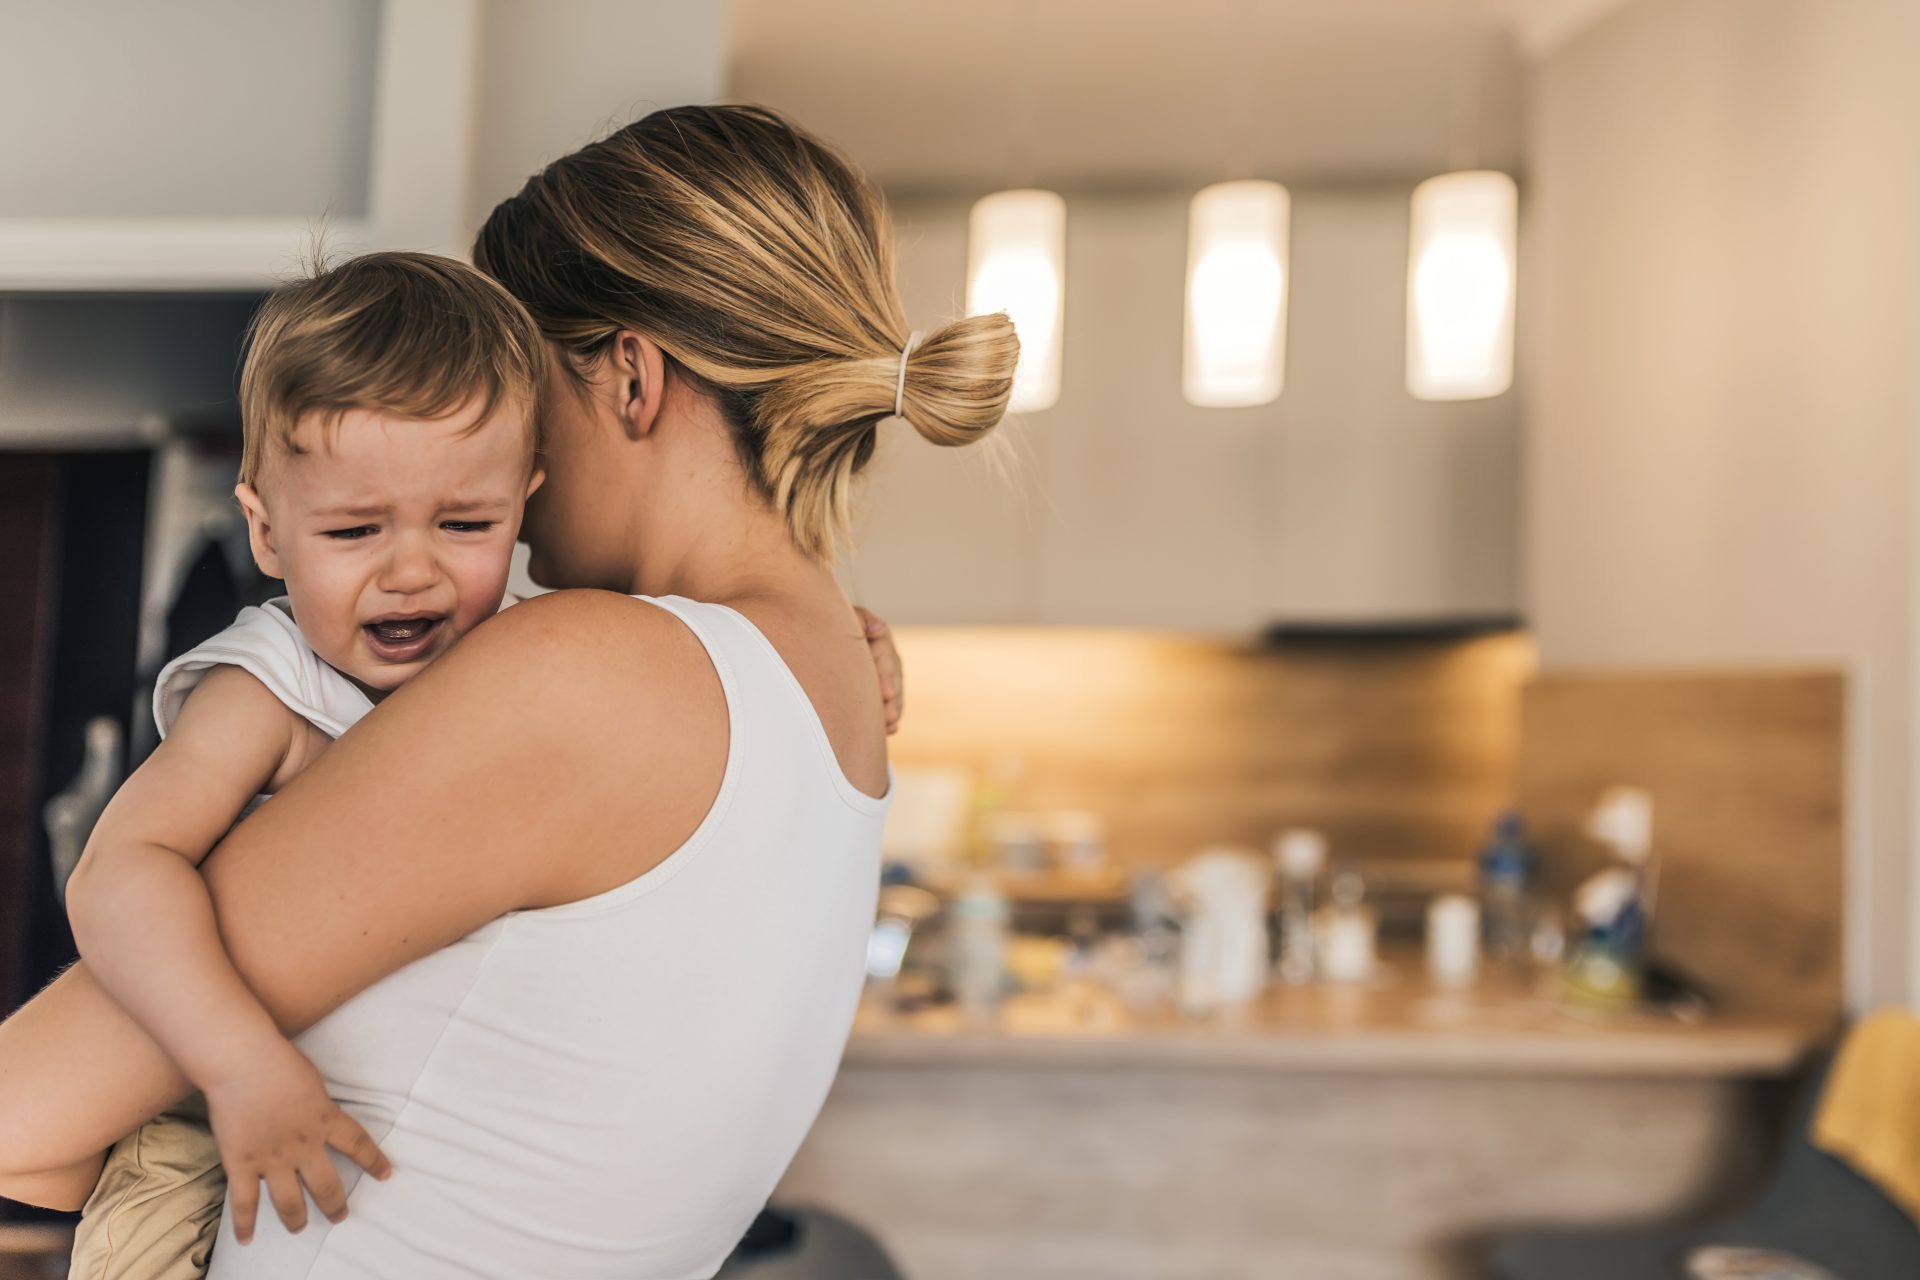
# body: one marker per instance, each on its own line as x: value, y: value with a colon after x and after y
x: 988, y: 903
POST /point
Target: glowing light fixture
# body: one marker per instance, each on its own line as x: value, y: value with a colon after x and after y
x: 1017, y: 248
x: 1460, y: 286
x: 1237, y: 294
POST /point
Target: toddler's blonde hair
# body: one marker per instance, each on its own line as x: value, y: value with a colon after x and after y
x: 412, y: 334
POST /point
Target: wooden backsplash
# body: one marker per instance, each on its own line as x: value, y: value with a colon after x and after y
x: 1746, y: 774
x: 1398, y: 750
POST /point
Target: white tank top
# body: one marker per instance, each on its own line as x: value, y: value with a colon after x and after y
x: 611, y: 1088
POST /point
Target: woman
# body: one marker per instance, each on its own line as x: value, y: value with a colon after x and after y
x: 595, y: 888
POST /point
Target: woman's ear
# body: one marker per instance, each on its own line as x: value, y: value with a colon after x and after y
x: 259, y: 532
x: 640, y: 368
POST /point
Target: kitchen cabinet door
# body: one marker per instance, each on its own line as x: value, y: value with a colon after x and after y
x: 946, y: 536
x: 1345, y: 502
x: 1384, y: 508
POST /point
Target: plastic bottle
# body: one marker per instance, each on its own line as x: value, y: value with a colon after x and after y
x: 1299, y: 856
x: 977, y: 940
x: 1506, y: 879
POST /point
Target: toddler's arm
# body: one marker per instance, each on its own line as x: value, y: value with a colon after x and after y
x: 145, y: 924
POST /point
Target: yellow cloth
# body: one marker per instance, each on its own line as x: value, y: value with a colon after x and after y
x: 1869, y: 1113
x: 156, y: 1209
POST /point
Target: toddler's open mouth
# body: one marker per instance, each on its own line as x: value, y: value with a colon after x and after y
x: 402, y: 639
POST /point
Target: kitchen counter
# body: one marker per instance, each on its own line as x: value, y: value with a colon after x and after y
x: 1399, y: 1024
x: 1370, y: 1133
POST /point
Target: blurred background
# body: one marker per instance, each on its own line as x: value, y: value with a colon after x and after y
x: 1409, y: 760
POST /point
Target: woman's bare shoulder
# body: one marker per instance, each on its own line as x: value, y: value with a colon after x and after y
x: 585, y: 643
x: 610, y: 693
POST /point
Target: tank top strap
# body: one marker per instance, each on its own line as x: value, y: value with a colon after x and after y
x: 742, y: 653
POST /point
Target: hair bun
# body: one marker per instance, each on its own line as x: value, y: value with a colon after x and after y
x: 959, y: 377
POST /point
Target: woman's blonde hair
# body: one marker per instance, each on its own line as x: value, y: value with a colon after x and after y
x: 761, y: 263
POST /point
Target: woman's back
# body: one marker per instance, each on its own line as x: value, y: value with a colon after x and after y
x: 612, y: 1087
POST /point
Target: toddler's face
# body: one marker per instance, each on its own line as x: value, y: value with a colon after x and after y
x: 392, y: 534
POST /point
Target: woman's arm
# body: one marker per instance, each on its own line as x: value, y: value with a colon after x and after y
x: 565, y: 746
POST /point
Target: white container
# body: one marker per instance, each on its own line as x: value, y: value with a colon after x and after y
x: 1453, y: 940
x: 1223, y: 930
x: 1077, y: 840
x: 1019, y: 841
x: 1346, y: 932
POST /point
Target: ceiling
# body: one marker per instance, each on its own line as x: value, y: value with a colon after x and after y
x: 937, y: 95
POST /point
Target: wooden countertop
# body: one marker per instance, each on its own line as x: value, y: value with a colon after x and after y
x: 1399, y: 1024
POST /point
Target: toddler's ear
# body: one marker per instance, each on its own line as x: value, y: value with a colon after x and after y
x: 539, y: 478
x: 259, y: 532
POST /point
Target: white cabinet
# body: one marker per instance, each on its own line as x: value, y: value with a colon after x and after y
x: 1345, y: 502
x: 200, y: 144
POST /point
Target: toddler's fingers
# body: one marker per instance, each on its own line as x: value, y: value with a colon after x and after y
x: 289, y: 1201
x: 323, y: 1184
x: 245, y: 1192
x: 346, y: 1136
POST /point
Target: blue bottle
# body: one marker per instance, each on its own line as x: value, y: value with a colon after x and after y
x: 1506, y: 882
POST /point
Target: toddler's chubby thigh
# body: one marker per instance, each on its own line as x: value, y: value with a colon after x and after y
x: 156, y: 1211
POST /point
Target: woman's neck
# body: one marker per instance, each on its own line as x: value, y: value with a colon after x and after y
x: 708, y: 536
x: 721, y: 554
x: 697, y: 527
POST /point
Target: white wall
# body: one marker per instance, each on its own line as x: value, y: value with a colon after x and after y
x: 1346, y: 500
x: 1720, y: 309
x: 560, y: 73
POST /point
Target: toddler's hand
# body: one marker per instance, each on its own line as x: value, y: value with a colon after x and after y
x: 273, y: 1120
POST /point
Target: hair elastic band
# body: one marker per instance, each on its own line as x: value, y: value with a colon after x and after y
x: 900, y: 383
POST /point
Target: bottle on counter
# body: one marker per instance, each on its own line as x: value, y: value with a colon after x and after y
x: 1506, y: 887
x: 977, y: 948
x: 1299, y: 857
x: 1347, y: 930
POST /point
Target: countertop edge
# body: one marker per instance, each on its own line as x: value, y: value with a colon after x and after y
x: 1721, y: 1052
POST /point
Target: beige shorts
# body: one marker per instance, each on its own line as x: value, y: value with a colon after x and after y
x: 156, y: 1209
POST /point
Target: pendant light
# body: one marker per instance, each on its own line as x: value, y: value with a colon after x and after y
x: 1016, y: 263
x: 1237, y: 274
x: 1017, y: 238
x: 1460, y: 255
x: 1460, y: 286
